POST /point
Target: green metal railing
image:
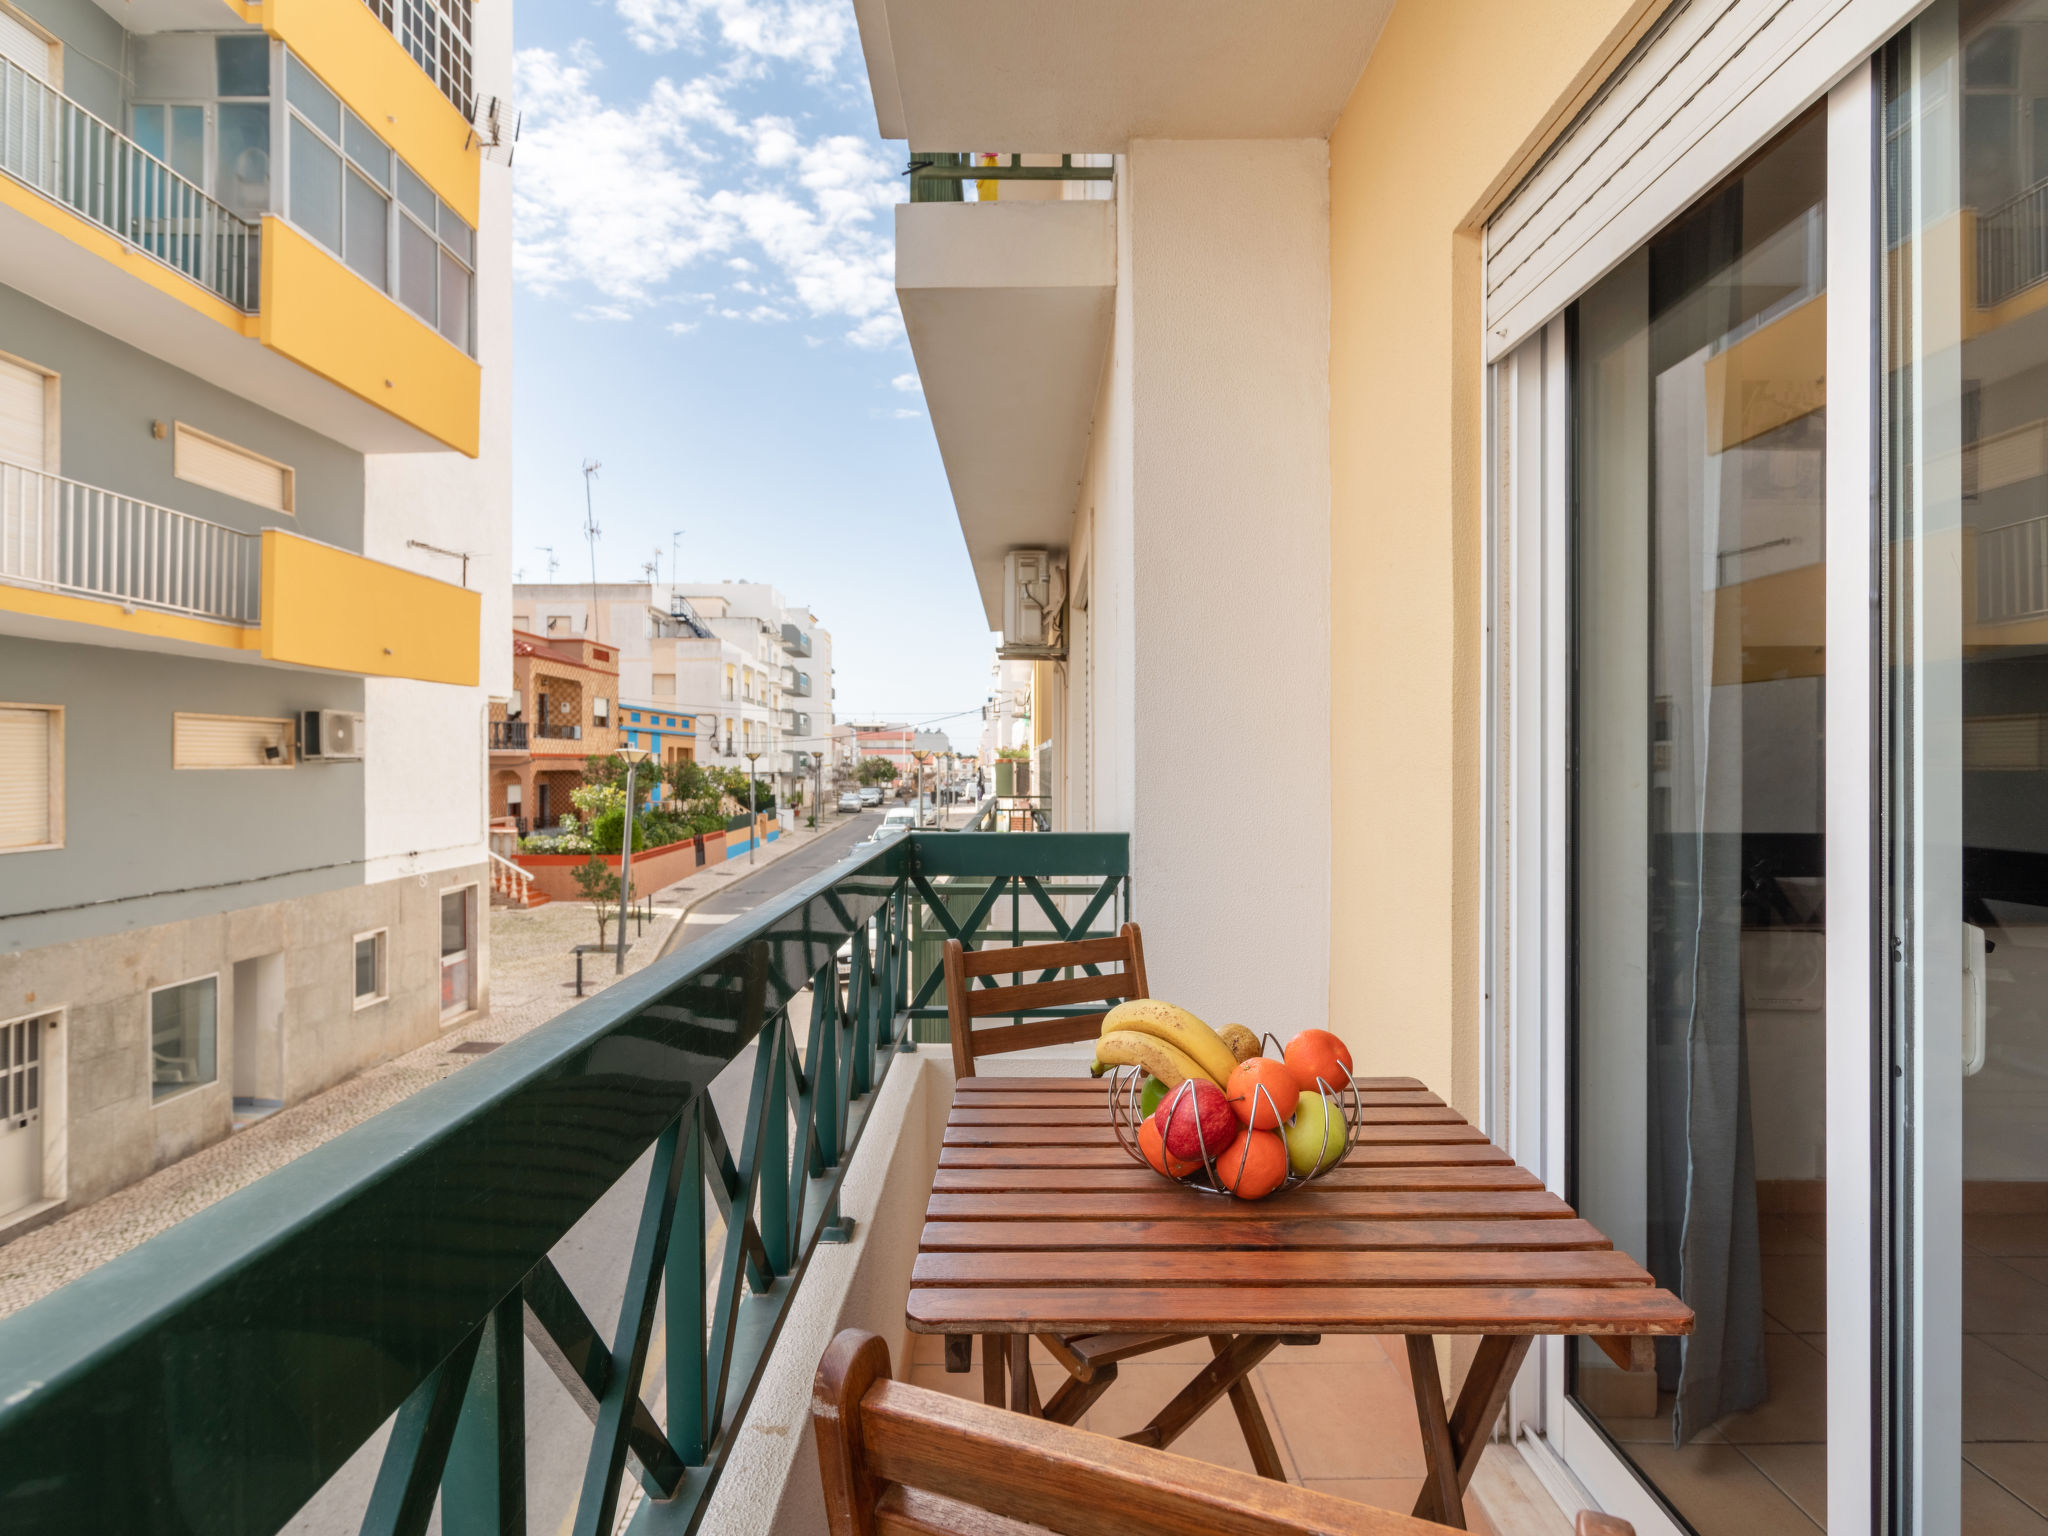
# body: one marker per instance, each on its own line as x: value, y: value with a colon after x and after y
x: 936, y: 177
x: 211, y: 1381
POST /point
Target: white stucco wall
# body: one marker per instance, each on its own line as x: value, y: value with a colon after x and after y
x: 425, y: 795
x: 1227, y: 283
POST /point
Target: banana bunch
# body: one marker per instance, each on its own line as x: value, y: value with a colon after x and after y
x: 1168, y: 1042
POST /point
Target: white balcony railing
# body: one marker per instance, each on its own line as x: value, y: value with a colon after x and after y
x: 65, y: 536
x: 54, y: 145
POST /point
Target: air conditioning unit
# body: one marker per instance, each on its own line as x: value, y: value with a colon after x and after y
x: 330, y: 735
x: 1034, y: 597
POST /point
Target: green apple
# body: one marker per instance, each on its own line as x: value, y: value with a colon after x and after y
x: 1315, y: 1136
x: 1150, y: 1095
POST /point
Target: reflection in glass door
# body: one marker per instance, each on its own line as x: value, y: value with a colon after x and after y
x: 1965, y: 762
x: 1698, y: 989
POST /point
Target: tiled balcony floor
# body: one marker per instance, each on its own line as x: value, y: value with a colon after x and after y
x: 1342, y: 1412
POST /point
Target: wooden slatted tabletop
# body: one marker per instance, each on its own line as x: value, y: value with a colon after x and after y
x: 1041, y: 1224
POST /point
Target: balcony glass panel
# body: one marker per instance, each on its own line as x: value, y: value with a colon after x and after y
x: 316, y: 187
x: 368, y: 245
x: 242, y: 64
x: 417, y: 196
x: 241, y: 178
x: 1699, y: 1004
x: 417, y: 256
x: 319, y: 105
x: 370, y: 153
x: 455, y: 282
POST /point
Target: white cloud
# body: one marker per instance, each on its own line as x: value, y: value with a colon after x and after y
x: 604, y: 312
x: 621, y: 198
x: 810, y: 32
x: 909, y: 383
x: 679, y: 328
x: 906, y: 415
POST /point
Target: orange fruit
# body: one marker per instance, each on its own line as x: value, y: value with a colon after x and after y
x: 1263, y: 1092
x: 1316, y: 1053
x: 1254, y: 1165
x: 1150, y: 1144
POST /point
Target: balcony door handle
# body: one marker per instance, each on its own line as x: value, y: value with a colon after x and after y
x: 1975, y: 1042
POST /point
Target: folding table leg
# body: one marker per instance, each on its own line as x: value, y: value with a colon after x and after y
x: 1452, y: 1443
x: 1251, y: 1419
x: 1230, y: 1367
x: 993, y: 1347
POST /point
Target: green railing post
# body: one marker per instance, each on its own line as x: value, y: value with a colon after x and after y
x: 483, y: 1489
x: 684, y: 1301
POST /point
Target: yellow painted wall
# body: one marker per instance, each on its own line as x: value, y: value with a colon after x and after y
x: 321, y: 315
x: 104, y: 613
x: 325, y: 607
x: 1458, y: 99
x: 346, y: 46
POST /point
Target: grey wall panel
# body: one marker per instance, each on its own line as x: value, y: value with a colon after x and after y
x: 212, y: 840
x: 111, y: 393
x: 94, y: 61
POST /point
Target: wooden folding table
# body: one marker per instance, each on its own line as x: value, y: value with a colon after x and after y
x: 1040, y: 1224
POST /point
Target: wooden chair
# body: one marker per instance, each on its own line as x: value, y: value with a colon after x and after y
x: 968, y: 998
x: 898, y: 1458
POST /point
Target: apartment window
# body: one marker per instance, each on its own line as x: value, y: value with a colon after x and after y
x: 344, y: 183
x: 601, y: 711
x: 458, y: 951
x: 664, y: 685
x: 370, y: 949
x: 437, y: 35
x: 728, y: 680
x: 183, y: 1027
x: 29, y: 48
x: 31, y: 777
x: 230, y: 741
x: 202, y: 106
x: 220, y: 466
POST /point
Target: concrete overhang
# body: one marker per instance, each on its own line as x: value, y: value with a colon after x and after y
x: 1009, y: 307
x: 1088, y: 76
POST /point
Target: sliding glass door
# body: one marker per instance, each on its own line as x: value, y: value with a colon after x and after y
x: 1964, y: 761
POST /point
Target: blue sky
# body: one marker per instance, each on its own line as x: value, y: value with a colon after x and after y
x: 704, y: 266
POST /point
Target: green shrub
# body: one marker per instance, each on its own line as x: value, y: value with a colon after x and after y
x: 608, y: 832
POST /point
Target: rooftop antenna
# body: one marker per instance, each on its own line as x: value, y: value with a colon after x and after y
x: 590, y: 534
x: 653, y: 568
x: 549, y: 551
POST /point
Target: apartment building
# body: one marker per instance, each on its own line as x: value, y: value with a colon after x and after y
x: 563, y: 710
x: 254, y: 418
x: 733, y: 655
x: 1627, y: 417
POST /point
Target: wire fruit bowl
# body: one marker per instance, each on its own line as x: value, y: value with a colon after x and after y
x: 1341, y: 1105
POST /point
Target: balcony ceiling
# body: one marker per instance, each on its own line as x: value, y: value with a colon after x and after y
x: 1009, y: 307
x: 1091, y: 75
x: 174, y: 15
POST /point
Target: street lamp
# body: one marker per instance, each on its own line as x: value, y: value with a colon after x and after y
x: 634, y: 757
x: 923, y: 756
x: 753, y: 821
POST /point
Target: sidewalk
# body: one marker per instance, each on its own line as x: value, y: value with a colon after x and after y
x: 532, y: 979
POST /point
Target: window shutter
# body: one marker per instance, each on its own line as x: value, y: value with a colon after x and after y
x: 24, y: 46
x: 26, y: 812
x: 230, y: 470
x: 229, y: 741
x: 1706, y: 85
x: 22, y: 395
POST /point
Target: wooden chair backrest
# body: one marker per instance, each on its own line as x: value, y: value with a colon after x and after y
x: 967, y: 1000
x: 895, y: 1457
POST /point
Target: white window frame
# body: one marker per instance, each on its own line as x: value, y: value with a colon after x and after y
x: 54, y: 1104
x: 50, y: 40
x: 53, y: 395
x: 383, y: 992
x: 287, y: 753
x: 181, y: 429
x: 1526, y: 643
x: 157, y: 1101
x: 56, y: 714
x: 475, y: 952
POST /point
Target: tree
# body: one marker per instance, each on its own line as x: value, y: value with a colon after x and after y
x: 687, y: 779
x: 610, y: 772
x: 876, y: 770
x: 599, y: 884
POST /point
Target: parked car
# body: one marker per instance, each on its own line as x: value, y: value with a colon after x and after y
x: 901, y: 816
x: 850, y: 801
x: 871, y: 794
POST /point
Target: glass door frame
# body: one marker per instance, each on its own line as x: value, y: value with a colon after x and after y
x: 1527, y: 645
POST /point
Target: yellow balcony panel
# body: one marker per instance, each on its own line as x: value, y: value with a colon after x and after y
x: 325, y: 318
x: 347, y: 47
x: 324, y: 607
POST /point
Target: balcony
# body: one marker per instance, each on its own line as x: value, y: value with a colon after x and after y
x: 51, y: 143
x: 801, y: 687
x: 509, y: 735
x: 795, y: 641
x: 395, y: 1270
x: 559, y: 732
x: 87, y: 563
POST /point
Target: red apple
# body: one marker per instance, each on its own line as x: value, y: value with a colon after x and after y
x: 1196, y: 1115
